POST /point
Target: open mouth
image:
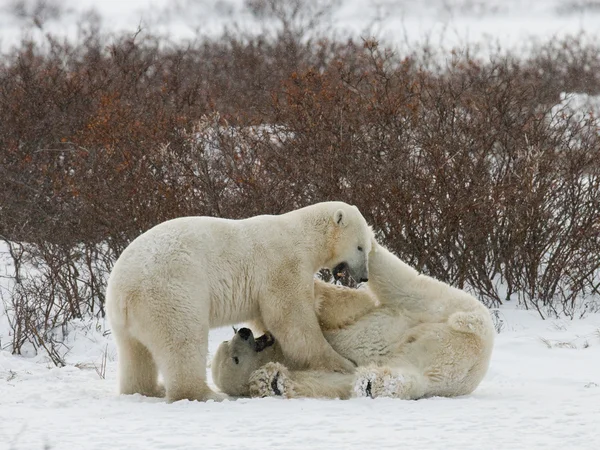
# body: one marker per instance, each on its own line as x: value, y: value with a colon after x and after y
x: 264, y: 341
x: 258, y: 344
x: 339, y: 271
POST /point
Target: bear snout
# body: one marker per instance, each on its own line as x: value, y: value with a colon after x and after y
x: 359, y: 274
x: 244, y: 333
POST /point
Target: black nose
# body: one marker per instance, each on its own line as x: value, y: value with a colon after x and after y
x: 244, y: 333
x: 364, y: 280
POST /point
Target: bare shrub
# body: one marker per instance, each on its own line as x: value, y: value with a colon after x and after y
x: 101, y: 369
x: 58, y: 284
x: 578, y: 6
x: 36, y: 12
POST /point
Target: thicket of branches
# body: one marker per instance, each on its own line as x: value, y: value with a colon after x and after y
x: 463, y: 165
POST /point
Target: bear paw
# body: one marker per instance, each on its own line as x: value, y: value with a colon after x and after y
x: 381, y: 382
x: 160, y: 391
x: 271, y: 380
x: 363, y: 384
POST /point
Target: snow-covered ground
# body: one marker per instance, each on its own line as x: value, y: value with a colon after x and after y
x: 542, y: 391
x: 543, y: 387
x: 442, y: 22
x: 582, y: 107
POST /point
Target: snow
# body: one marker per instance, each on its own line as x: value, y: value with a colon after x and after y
x: 543, y: 386
x: 580, y: 106
x: 542, y: 391
x: 445, y: 23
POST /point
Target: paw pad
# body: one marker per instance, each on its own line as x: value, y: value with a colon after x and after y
x: 271, y: 380
x: 275, y: 385
x: 380, y: 382
x: 363, y: 386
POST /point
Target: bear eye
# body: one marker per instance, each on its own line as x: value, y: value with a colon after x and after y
x: 360, y: 249
x: 236, y: 360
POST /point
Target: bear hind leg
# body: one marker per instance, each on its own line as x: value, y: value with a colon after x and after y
x: 183, y: 367
x: 138, y: 373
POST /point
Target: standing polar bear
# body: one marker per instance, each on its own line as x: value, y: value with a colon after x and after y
x: 412, y: 336
x: 187, y: 275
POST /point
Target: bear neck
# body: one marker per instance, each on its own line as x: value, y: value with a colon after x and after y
x: 312, y: 235
x: 272, y: 354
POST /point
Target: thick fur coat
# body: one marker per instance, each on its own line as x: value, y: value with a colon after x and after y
x: 184, y: 276
x: 412, y: 336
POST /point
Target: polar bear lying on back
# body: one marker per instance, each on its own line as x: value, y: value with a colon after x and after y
x: 411, y: 335
x: 187, y: 275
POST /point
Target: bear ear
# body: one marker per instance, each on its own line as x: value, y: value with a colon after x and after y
x: 374, y: 244
x: 340, y: 218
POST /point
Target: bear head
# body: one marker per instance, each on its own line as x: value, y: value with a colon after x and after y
x: 350, y: 242
x: 236, y: 359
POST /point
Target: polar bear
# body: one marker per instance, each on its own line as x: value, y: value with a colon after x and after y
x: 187, y: 275
x: 415, y: 337
x: 235, y: 360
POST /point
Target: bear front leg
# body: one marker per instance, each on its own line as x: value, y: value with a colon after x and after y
x: 275, y: 380
x: 338, y: 306
x: 404, y: 383
x: 257, y: 326
x: 295, y: 325
x: 271, y: 380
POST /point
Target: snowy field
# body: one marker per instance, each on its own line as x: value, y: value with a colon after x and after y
x: 542, y: 391
x: 447, y: 23
x: 543, y: 387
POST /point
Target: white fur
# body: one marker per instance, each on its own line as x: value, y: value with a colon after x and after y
x: 425, y: 338
x: 184, y: 276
